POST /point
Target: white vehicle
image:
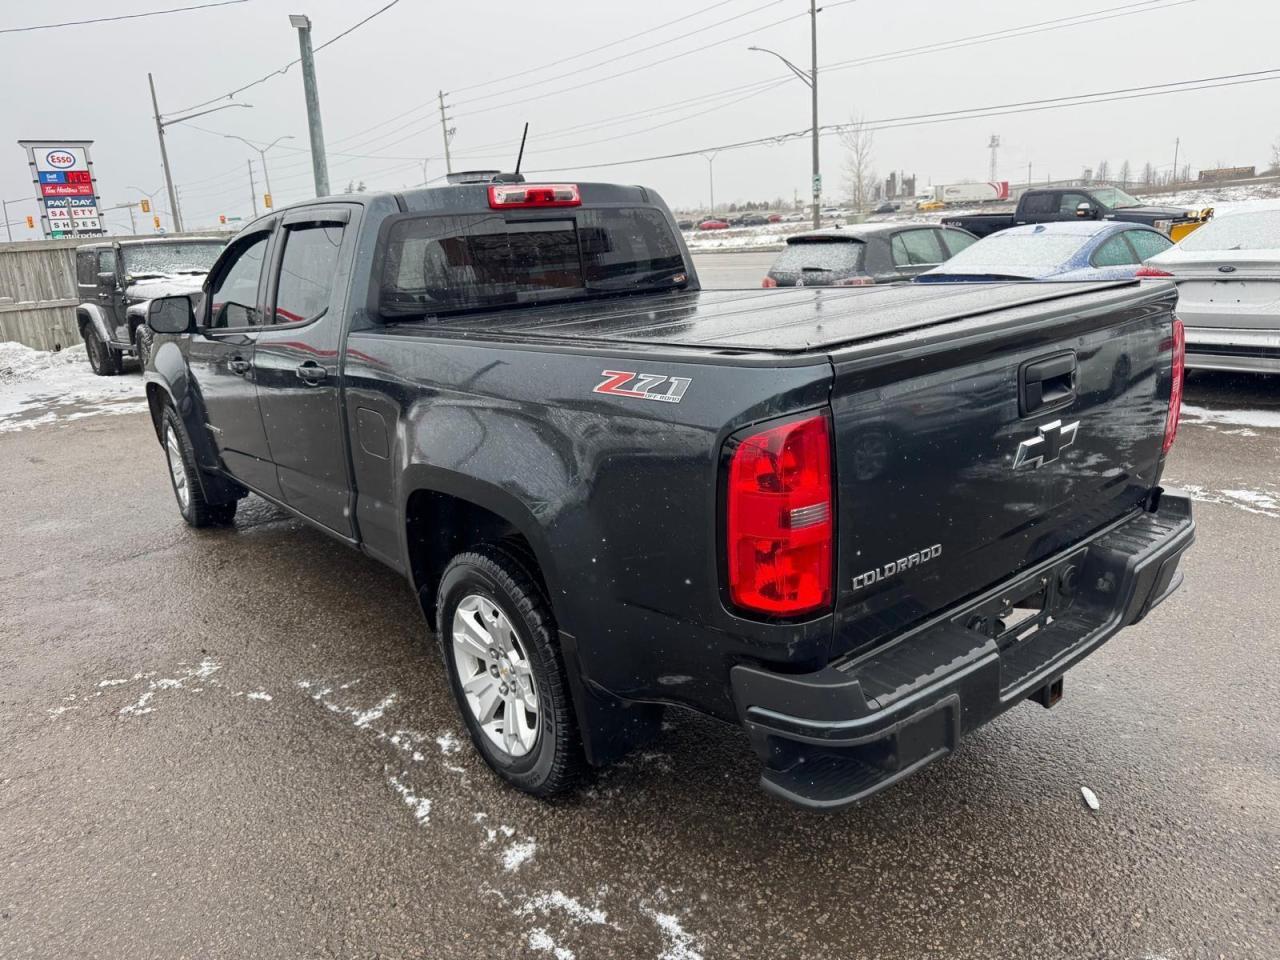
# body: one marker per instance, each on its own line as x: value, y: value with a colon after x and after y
x: 1228, y: 277
x: 971, y: 192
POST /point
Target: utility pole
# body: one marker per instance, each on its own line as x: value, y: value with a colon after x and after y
x: 711, y: 177
x: 319, y: 164
x: 1176, y: 144
x: 253, y: 189
x: 813, y: 85
x: 1028, y: 173
x: 262, y: 155
x: 993, y: 145
x: 444, y: 129
x: 175, y: 213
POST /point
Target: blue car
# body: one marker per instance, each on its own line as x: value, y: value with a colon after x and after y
x: 1084, y: 250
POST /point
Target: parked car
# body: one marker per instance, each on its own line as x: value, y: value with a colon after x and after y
x: 1054, y: 205
x: 753, y: 220
x: 1054, y: 251
x: 864, y: 254
x: 611, y: 490
x: 685, y: 224
x: 1228, y: 277
x: 713, y: 223
x: 116, y: 278
x: 775, y: 218
x: 889, y: 207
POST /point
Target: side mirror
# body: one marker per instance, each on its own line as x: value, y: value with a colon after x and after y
x: 171, y: 315
x: 1084, y: 210
x: 107, y: 281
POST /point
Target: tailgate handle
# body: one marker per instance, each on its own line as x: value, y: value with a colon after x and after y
x: 1047, y: 382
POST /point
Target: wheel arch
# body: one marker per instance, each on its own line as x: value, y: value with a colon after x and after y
x: 89, y: 314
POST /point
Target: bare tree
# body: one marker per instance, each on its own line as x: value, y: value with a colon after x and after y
x: 1126, y: 172
x: 1148, y: 173
x: 1102, y: 171
x: 1275, y: 156
x: 859, y: 173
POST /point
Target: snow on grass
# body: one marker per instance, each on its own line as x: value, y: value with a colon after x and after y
x: 38, y: 388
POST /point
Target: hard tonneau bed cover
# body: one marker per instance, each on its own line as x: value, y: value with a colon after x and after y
x: 773, y: 321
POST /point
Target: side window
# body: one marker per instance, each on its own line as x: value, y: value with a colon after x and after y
x: 916, y: 248
x: 957, y: 240
x: 1114, y: 253
x: 1148, y: 243
x: 1070, y: 201
x: 87, y: 268
x: 1039, y: 204
x: 307, y: 272
x: 234, y: 296
x: 106, y: 261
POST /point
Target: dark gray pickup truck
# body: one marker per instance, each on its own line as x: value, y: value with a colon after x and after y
x: 856, y: 522
x: 1052, y: 204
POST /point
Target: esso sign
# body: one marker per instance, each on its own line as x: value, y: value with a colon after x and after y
x: 60, y: 159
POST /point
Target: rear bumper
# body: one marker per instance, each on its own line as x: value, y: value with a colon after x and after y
x: 835, y: 737
x: 1228, y: 348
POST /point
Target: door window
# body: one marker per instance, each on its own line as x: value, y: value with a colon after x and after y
x: 1148, y: 243
x: 957, y: 240
x: 1039, y: 204
x: 107, y: 261
x: 916, y: 248
x: 234, y: 296
x: 1114, y: 253
x: 87, y: 268
x: 307, y: 272
x: 1070, y: 201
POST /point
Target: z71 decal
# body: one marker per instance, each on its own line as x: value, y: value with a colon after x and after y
x: 643, y: 386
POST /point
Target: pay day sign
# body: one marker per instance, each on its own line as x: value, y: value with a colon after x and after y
x: 62, y: 172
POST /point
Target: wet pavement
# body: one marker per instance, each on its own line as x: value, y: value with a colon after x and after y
x: 240, y: 743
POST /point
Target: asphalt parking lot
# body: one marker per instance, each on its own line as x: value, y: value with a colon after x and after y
x: 240, y: 743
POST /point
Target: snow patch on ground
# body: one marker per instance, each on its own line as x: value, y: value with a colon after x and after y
x: 448, y: 743
x: 558, y: 902
x: 541, y: 941
x: 1266, y: 419
x: 202, y: 672
x: 517, y: 854
x: 421, y: 806
x: 1264, y: 503
x: 680, y: 944
x: 38, y: 388
x: 259, y: 695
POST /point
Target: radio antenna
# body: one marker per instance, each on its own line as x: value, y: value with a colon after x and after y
x: 523, y: 137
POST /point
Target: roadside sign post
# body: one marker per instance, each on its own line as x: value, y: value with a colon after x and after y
x: 66, y: 189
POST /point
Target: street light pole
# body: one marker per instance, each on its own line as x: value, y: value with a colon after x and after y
x: 262, y: 155
x: 319, y: 165
x: 810, y: 79
x: 444, y: 128
x: 813, y: 86
x: 711, y: 177
x: 164, y: 159
x: 253, y: 190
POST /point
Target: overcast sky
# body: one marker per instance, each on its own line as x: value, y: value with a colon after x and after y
x: 378, y: 91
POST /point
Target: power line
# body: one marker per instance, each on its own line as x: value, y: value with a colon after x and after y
x: 637, y: 52
x: 586, y: 53
x: 972, y: 113
x: 123, y: 16
x: 282, y: 70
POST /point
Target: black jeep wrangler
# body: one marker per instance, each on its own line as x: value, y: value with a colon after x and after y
x: 117, y: 278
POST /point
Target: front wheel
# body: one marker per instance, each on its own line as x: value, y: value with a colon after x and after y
x: 142, y: 343
x: 185, y: 479
x: 506, y: 672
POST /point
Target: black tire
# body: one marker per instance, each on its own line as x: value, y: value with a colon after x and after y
x: 142, y: 344
x: 103, y: 361
x: 195, y: 509
x: 502, y: 575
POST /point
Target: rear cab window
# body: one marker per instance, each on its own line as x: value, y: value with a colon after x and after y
x: 446, y: 263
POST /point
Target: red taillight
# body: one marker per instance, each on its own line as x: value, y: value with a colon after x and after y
x: 855, y: 282
x: 1151, y: 272
x: 779, y: 519
x: 1175, y: 391
x: 768, y: 282
x: 514, y: 196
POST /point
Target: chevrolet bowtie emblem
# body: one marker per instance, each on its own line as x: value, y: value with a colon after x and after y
x: 1048, y: 446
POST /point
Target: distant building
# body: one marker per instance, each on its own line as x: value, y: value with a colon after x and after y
x: 1227, y: 173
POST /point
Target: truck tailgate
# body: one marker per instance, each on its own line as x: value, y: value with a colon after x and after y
x: 966, y: 457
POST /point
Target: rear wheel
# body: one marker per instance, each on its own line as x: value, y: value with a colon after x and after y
x: 142, y: 343
x: 104, y: 361
x: 184, y: 477
x: 498, y: 635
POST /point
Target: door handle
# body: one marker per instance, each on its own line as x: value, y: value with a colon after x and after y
x: 239, y: 365
x: 311, y: 372
x: 1047, y: 382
